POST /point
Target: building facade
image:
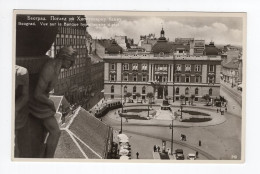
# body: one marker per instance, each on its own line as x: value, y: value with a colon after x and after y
x: 74, y: 82
x: 168, y: 71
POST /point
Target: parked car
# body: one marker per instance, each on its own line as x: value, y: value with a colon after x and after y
x: 191, y: 156
x: 179, y: 154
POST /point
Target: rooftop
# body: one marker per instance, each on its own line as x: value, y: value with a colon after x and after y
x: 83, y: 136
x: 58, y: 101
x: 95, y: 59
x: 233, y: 64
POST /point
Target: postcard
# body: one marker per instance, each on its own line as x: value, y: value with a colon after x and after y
x: 129, y: 86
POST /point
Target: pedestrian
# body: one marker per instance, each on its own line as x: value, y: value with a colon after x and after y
x: 199, y: 142
x: 137, y: 155
x: 197, y: 154
x: 226, y: 109
x: 169, y: 151
x: 217, y: 110
x: 158, y: 148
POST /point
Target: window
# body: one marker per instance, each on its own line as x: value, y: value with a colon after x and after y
x: 210, y: 91
x: 112, y: 96
x: 144, y: 67
x: 112, y: 77
x: 197, y: 79
x: 125, y: 66
x: 187, y: 79
x: 134, y: 89
x: 196, y: 91
x: 177, y: 98
x: 125, y: 77
x: 177, y: 91
x: 113, y: 66
x: 161, y: 54
x: 143, y: 90
x: 187, y: 91
x: 135, y: 67
x: 164, y: 67
x: 134, y: 77
x: 211, y: 68
x: 196, y: 99
x: 144, y: 79
x: 178, y: 68
x: 125, y: 89
x: 178, y: 78
x: 164, y: 79
x: 197, y: 68
x: 211, y: 79
x: 187, y: 68
x: 112, y: 89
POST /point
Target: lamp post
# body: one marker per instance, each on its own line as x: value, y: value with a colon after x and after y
x: 173, y: 77
x: 171, y: 127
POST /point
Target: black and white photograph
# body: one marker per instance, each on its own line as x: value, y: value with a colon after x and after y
x: 129, y: 86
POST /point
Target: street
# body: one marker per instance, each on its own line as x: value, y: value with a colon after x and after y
x: 222, y: 142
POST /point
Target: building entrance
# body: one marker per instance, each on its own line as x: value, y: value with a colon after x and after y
x: 160, y: 93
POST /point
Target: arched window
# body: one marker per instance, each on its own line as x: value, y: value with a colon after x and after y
x: 177, y: 91
x: 187, y: 91
x: 161, y: 54
x: 143, y: 90
x: 112, y: 89
x: 210, y: 91
x: 196, y: 91
x: 134, y: 89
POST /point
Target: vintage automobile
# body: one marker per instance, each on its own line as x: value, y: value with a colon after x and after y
x: 179, y: 154
x: 191, y: 156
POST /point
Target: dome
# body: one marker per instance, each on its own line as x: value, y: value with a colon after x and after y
x: 164, y: 47
x: 114, y: 48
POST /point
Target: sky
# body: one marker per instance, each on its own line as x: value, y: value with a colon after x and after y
x: 221, y: 30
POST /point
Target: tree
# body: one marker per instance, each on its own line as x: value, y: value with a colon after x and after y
x: 207, y: 98
x: 150, y: 96
x: 182, y: 97
x: 192, y: 98
x: 128, y: 95
x: 138, y: 95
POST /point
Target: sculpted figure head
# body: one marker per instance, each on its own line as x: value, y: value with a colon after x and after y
x: 67, y: 55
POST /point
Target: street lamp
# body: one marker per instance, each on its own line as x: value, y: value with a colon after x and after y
x: 173, y: 77
x: 171, y: 127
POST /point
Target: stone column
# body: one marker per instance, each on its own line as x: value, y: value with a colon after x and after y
x: 204, y: 74
x: 106, y: 72
x: 118, y: 72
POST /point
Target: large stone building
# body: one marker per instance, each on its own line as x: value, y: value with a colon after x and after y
x: 74, y: 82
x: 169, y: 70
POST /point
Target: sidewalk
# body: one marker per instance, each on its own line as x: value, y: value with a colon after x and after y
x: 229, y: 86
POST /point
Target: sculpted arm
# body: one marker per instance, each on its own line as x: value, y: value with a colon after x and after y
x: 45, y: 78
x: 23, y: 99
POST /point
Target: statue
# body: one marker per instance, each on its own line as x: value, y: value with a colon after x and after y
x: 40, y: 105
x: 21, y: 110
